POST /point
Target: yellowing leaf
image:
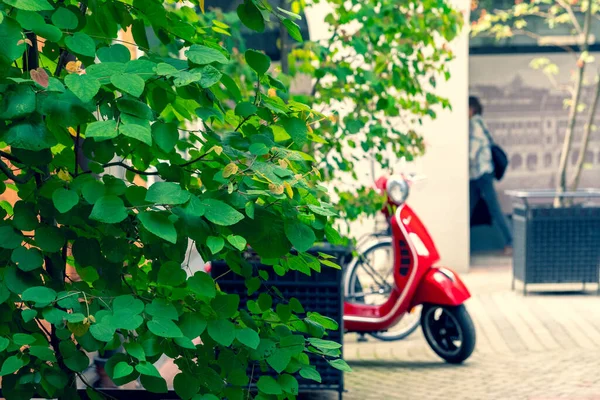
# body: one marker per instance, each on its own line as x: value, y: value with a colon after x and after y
x: 298, y: 177
x: 230, y: 169
x: 288, y: 189
x: 272, y: 92
x: 73, y: 66
x: 72, y: 131
x: 216, y: 149
x: 201, y: 4
x: 40, y: 76
x: 64, y: 176
x: 20, y: 42
x: 276, y: 189
x: 283, y: 163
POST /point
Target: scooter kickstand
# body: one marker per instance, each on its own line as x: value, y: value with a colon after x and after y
x: 362, y: 338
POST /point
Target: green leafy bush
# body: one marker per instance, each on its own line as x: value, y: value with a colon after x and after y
x: 83, y: 125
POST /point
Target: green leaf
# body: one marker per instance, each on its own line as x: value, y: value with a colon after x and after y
x: 102, y: 331
x: 192, y: 325
x: 202, y: 284
x: 258, y: 61
x: 64, y: 18
x: 265, y: 301
x: 146, y: 368
x: 203, y: 55
x: 11, y: 365
x: 23, y: 339
x: 268, y: 385
x: 92, y: 191
x: 164, y: 69
x: 10, y: 238
x: 64, y: 200
x: 27, y: 259
x: 4, y: 342
x: 288, y: 383
x: 83, y: 86
x: 165, y: 136
x: 80, y: 43
x: 324, y: 344
x: 293, y: 29
x: 115, y: 53
x: 18, y: 102
x: 340, y: 364
x: 128, y: 305
x: 310, y: 372
x: 40, y: 295
x: 248, y: 338
x: 135, y: 350
x: 109, y: 209
x: 186, y: 385
x: 251, y: 16
x: 10, y: 34
x: 128, y: 83
x: 237, y: 241
x: 325, y: 322
x: 210, y: 76
x: 44, y: 353
x: 122, y: 369
x: 300, y: 235
x: 296, y: 128
x: 259, y: 149
x: 215, y: 244
x: 49, y: 32
x: 279, y: 360
x: 162, y: 309
x: 164, y: 328
x: 244, y: 110
x: 222, y: 331
x: 30, y: 5
x: 167, y: 193
x: 28, y: 316
x: 29, y: 135
x: 154, y: 384
x: 221, y: 213
x: 225, y: 305
x: 102, y: 130
x: 159, y: 225
x: 171, y: 274
x: 138, y: 132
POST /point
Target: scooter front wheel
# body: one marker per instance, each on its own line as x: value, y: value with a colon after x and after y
x: 449, y: 331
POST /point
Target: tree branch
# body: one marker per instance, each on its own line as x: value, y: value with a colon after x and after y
x: 193, y: 161
x: 129, y: 168
x: 564, y: 156
x: 10, y: 157
x: 586, y: 136
x: 23, y: 178
x: 569, y: 10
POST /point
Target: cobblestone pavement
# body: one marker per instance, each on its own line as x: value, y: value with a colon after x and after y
x: 543, y: 346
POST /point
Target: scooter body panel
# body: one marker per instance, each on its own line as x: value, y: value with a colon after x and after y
x: 416, y: 281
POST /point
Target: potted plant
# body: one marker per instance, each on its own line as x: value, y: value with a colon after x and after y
x: 557, y: 232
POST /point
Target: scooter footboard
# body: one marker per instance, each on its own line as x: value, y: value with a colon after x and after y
x: 441, y: 286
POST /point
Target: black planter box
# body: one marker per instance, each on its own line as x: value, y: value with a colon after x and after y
x: 321, y: 292
x: 556, y: 244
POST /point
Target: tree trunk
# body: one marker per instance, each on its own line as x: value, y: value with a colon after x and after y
x: 586, y: 136
x: 566, y: 150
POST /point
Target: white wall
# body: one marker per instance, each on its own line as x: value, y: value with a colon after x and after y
x: 442, y: 200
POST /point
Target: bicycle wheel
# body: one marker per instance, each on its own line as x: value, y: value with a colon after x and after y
x: 370, y: 280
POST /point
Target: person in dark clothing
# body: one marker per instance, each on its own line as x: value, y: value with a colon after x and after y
x: 481, y: 170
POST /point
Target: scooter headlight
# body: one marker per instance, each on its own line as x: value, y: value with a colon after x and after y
x: 397, y: 189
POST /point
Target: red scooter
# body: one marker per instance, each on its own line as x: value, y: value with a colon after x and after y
x: 396, y: 275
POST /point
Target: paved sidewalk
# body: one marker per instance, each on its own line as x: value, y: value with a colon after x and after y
x: 537, y: 347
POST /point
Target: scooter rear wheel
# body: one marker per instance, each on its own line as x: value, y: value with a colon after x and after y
x: 369, y: 279
x: 449, y: 331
